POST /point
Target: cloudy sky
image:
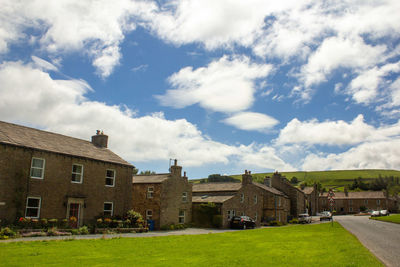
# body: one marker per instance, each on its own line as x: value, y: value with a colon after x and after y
x: 222, y: 86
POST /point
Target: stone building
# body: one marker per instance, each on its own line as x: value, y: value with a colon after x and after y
x: 296, y: 196
x: 246, y: 198
x: 354, y: 202
x: 311, y: 193
x: 164, y: 198
x: 48, y: 175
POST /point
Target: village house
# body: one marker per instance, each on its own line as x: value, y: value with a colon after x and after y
x: 296, y: 196
x: 355, y: 202
x: 163, y: 198
x: 49, y: 175
x: 311, y: 193
x: 249, y: 198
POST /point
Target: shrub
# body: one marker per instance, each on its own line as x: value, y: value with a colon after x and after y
x: 64, y: 223
x: 134, y: 217
x: 6, y: 233
x: 84, y: 230
x: 44, y: 223
x: 53, y: 222
x: 294, y: 221
x: 75, y: 231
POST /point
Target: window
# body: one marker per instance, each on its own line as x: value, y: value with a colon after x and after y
x: 181, y: 216
x: 366, y: 201
x: 243, y: 213
x: 77, y: 173
x: 351, y: 209
x: 256, y: 216
x: 241, y: 198
x: 32, y: 207
x: 108, y: 209
x: 149, y: 214
x: 110, y: 178
x: 378, y: 202
x: 37, y: 168
x: 231, y: 214
x: 150, y: 192
x: 184, y: 197
x: 255, y: 199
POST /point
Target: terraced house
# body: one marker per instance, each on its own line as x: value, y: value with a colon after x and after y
x: 258, y: 201
x: 163, y: 198
x: 48, y: 175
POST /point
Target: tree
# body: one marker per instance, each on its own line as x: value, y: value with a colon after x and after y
x: 147, y: 172
x: 294, y: 180
x: 215, y: 178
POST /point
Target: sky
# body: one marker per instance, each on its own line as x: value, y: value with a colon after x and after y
x: 222, y: 86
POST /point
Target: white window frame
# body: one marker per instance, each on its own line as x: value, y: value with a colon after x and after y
x: 150, y: 193
x: 255, y: 199
x: 181, y: 216
x: 231, y: 214
x: 241, y: 197
x: 109, y: 177
x: 184, y: 197
x: 42, y: 169
x: 77, y: 173
x: 112, y: 208
x: 38, y: 208
x: 149, y: 214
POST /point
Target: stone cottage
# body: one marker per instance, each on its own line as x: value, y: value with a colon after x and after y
x: 49, y: 175
x: 163, y: 198
x: 311, y: 193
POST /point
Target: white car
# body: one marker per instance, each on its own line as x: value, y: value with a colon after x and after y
x: 384, y: 213
x: 304, y: 218
x: 375, y: 213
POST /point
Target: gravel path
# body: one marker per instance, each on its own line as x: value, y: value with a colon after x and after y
x: 381, y: 238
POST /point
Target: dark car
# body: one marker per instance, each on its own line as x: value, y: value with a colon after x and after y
x: 242, y: 222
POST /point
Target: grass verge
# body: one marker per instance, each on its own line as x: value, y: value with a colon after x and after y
x: 298, y: 245
x: 394, y: 218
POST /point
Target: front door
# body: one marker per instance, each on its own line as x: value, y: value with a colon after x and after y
x: 74, y: 212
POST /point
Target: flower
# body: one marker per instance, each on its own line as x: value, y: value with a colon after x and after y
x: 73, y: 219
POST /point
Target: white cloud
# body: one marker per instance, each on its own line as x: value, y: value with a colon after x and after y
x: 251, y: 121
x: 61, y: 106
x: 369, y: 155
x: 335, y: 133
x: 43, y: 64
x: 94, y: 28
x: 225, y: 85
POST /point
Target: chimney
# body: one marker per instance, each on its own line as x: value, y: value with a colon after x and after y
x: 176, y: 170
x: 100, y: 139
x: 246, y: 178
x: 267, y: 181
x: 346, y: 193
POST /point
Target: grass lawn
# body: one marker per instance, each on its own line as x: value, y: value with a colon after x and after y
x: 298, y: 245
x: 394, y: 218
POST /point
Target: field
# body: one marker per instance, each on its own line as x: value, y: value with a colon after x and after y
x: 298, y: 245
x: 394, y: 218
x: 330, y: 178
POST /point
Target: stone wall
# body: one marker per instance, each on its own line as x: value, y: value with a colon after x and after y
x: 141, y: 203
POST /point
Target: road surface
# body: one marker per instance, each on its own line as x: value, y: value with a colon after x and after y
x: 381, y: 238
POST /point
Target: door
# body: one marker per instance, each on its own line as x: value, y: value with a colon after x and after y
x: 74, y: 212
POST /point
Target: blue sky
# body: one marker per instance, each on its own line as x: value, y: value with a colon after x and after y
x: 222, y: 86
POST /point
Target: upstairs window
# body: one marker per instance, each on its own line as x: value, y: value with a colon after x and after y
x: 77, y: 173
x: 184, y: 197
x: 110, y: 178
x: 37, y: 168
x: 32, y: 207
x: 108, y: 209
x: 150, y: 192
x: 241, y: 198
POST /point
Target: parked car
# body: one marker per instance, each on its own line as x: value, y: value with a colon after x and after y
x: 304, y: 218
x: 242, y: 222
x: 375, y: 213
x: 384, y: 213
x: 325, y: 215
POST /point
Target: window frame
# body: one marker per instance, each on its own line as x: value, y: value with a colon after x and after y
x: 231, y: 214
x: 42, y: 169
x: 81, y: 174
x: 378, y: 202
x: 112, y: 208
x: 241, y: 197
x: 181, y: 216
x: 149, y: 216
x: 150, y: 193
x: 38, y: 208
x: 108, y: 177
x: 184, y: 197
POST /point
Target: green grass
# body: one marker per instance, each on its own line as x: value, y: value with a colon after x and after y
x: 329, y: 178
x: 394, y: 218
x: 298, y: 245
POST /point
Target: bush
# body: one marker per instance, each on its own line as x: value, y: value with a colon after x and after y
x: 6, y: 233
x: 44, y: 223
x: 134, y: 217
x: 294, y: 221
x: 84, y: 230
x: 52, y: 222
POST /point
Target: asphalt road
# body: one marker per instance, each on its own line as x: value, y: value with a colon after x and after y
x: 381, y: 238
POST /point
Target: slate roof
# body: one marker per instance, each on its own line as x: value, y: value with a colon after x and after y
x: 214, y: 199
x: 357, y: 195
x: 215, y: 187
x: 308, y: 190
x: 150, y: 179
x: 270, y: 189
x: 21, y: 136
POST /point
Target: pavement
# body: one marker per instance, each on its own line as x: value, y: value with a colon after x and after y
x: 381, y: 238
